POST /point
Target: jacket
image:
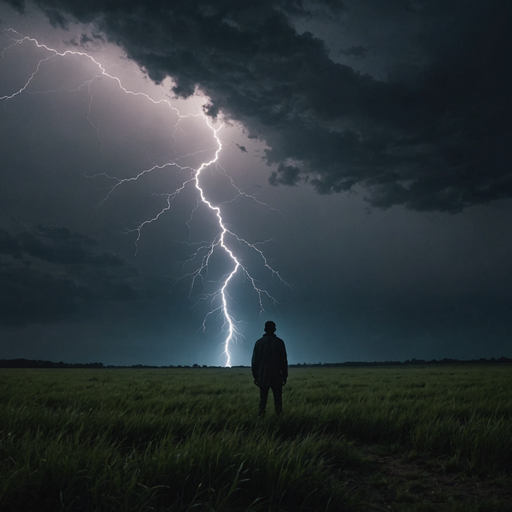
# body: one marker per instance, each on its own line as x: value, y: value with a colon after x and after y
x: 269, y: 363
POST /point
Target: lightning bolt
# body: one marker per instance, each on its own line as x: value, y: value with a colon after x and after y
x: 225, y: 237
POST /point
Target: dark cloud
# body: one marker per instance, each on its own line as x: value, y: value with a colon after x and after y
x: 285, y: 175
x: 9, y: 245
x: 28, y: 296
x: 433, y: 136
x: 50, y: 273
x: 358, y: 52
x: 59, y: 245
x: 85, y: 40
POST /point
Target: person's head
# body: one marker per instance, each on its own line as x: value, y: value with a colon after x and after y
x: 270, y: 327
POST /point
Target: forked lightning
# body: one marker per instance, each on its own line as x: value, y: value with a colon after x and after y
x: 219, y: 300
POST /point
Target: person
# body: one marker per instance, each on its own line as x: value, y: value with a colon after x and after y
x: 269, y: 367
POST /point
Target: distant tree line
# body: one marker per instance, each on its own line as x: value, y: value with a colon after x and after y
x: 31, y: 363
x: 413, y: 361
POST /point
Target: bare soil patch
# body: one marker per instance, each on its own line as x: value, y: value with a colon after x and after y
x: 397, y: 482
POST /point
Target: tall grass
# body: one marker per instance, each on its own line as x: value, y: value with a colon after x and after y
x: 186, y: 439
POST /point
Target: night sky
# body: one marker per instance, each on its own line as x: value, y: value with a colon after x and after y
x: 363, y: 173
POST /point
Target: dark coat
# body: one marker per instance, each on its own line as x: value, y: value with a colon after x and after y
x: 269, y: 361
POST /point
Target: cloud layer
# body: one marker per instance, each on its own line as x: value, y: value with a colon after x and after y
x: 50, y: 273
x: 431, y: 135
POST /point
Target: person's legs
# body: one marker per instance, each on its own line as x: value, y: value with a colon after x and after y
x: 278, y: 398
x: 263, y: 400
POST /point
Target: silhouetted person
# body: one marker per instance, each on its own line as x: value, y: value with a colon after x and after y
x: 270, y: 367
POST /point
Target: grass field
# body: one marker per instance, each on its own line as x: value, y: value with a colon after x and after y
x: 425, y: 439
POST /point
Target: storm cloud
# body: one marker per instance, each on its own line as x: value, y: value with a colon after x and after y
x: 345, y: 135
x: 49, y: 273
x: 431, y: 133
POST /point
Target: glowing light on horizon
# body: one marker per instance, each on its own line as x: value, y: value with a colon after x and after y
x: 206, y: 250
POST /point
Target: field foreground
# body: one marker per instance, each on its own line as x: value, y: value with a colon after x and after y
x: 424, y: 439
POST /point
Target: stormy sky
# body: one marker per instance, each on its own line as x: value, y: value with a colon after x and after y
x: 362, y: 172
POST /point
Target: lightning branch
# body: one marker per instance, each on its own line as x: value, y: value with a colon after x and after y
x: 201, y: 257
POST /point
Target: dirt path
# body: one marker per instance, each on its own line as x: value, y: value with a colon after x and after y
x: 391, y: 482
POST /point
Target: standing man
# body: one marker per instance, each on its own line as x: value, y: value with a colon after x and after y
x: 270, y: 367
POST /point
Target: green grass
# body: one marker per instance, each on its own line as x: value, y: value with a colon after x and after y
x: 190, y: 439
